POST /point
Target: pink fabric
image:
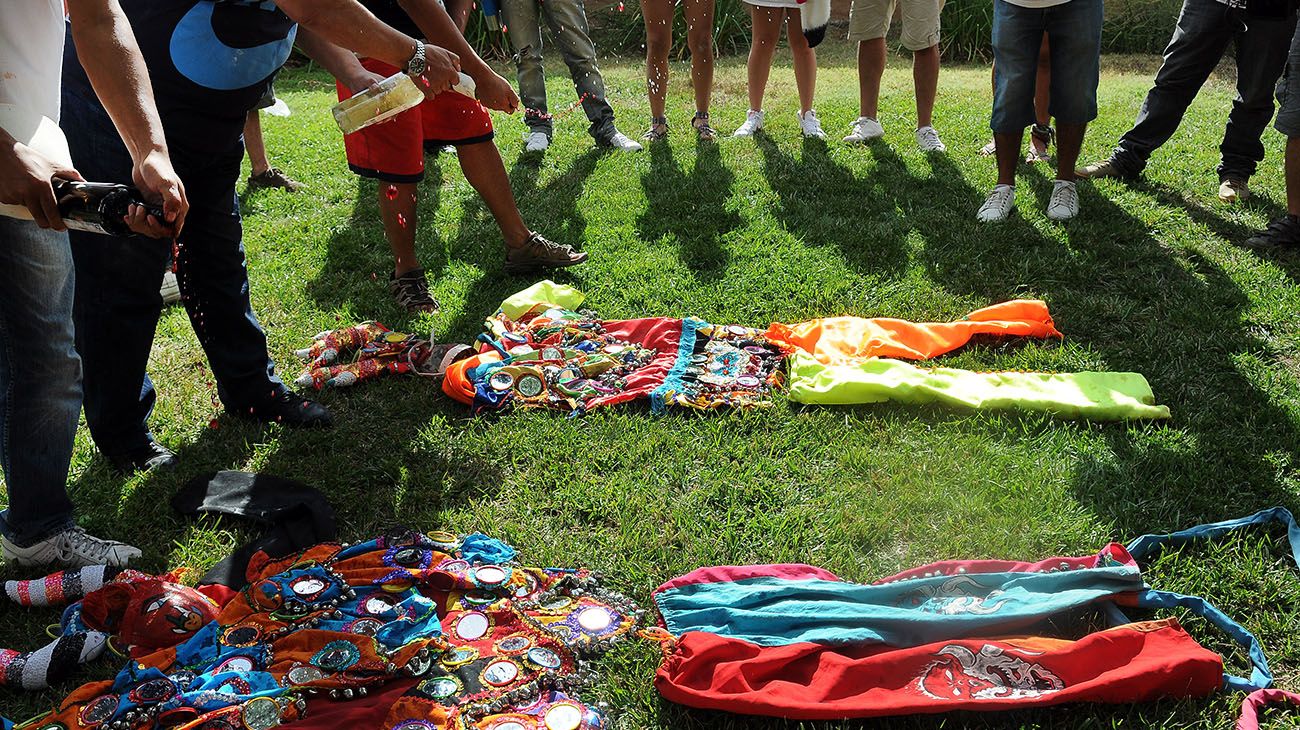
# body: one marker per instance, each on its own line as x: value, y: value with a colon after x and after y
x: 658, y: 333
x: 732, y: 573
x: 1260, y: 699
x: 1109, y: 555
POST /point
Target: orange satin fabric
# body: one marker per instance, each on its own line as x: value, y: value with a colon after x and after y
x: 849, y: 340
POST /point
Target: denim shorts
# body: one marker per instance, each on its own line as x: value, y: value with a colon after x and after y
x: 1288, y: 93
x: 1074, y: 34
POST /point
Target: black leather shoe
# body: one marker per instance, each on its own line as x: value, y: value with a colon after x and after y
x: 152, y: 456
x: 290, y: 409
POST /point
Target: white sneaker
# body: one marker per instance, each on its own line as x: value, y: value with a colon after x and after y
x: 621, y: 141
x: 1064, y: 203
x: 810, y: 124
x: 537, y: 142
x: 71, y: 549
x: 865, y: 129
x: 999, y: 204
x: 171, y: 289
x: 927, y: 138
x: 753, y: 123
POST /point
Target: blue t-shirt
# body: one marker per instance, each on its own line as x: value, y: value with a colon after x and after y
x: 210, y: 61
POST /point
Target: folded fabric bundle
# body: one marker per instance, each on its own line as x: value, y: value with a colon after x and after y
x: 1093, y: 395
x: 795, y: 641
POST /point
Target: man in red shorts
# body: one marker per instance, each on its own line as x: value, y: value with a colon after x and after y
x: 393, y: 152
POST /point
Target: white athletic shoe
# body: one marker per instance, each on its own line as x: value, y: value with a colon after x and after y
x: 537, y: 142
x: 810, y: 124
x: 753, y: 123
x: 999, y: 204
x: 171, y: 289
x: 927, y: 138
x: 1064, y: 203
x: 621, y: 141
x: 71, y: 549
x: 865, y: 129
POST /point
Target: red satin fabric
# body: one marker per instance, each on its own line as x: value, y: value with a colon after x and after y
x: 1132, y: 663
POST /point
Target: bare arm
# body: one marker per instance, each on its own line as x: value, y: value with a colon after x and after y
x: 439, y: 28
x: 108, y: 51
x: 341, y: 64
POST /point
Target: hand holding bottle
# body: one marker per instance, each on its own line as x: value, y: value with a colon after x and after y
x: 442, y: 71
x: 159, y: 184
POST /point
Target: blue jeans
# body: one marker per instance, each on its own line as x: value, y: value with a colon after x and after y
x: 40, y: 380
x: 1074, y: 35
x: 118, y: 302
x: 568, y: 23
x: 1205, y: 28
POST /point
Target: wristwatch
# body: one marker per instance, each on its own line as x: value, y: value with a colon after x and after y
x: 417, y: 65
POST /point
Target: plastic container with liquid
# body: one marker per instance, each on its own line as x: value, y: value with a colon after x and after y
x: 385, y: 100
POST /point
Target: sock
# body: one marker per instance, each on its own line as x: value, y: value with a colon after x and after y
x: 35, y: 670
x: 59, y: 588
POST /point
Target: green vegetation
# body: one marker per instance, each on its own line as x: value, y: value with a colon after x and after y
x: 1149, y: 279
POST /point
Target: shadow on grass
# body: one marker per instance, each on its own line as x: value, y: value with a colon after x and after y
x: 689, y: 209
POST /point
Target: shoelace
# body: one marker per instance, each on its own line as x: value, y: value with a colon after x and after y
x: 930, y: 137
x: 998, y: 198
x: 77, y: 544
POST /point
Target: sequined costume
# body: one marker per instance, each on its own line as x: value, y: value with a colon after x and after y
x: 475, y: 636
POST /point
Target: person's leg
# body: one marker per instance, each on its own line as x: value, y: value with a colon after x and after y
x: 568, y: 23
x: 486, y: 172
x: 255, y: 144
x: 1016, y: 34
x: 40, y: 380
x: 1043, y: 85
x: 921, y: 37
x: 871, y: 68
x: 1293, y: 176
x: 1261, y: 57
x: 1202, y: 35
x: 525, y: 35
x: 766, y: 35
x: 925, y: 78
x: 1284, y: 231
x: 699, y: 39
x: 398, y: 205
x: 805, y: 60
x: 658, y: 15
x: 1075, y: 32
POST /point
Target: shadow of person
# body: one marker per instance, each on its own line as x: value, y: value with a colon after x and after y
x: 689, y: 210
x: 358, y: 260
x: 824, y: 203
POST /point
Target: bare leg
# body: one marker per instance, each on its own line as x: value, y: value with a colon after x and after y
x: 397, y: 209
x: 254, y: 143
x: 925, y: 78
x: 1042, y: 95
x: 766, y: 34
x: 1009, y: 155
x: 699, y: 38
x: 658, y: 15
x: 484, y: 170
x: 1069, y: 140
x: 871, y: 66
x: 805, y: 60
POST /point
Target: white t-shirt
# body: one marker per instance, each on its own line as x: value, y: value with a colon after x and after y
x: 31, y: 54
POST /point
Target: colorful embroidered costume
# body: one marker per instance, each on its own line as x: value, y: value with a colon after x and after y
x: 795, y: 641
x: 344, y: 357
x: 472, y: 640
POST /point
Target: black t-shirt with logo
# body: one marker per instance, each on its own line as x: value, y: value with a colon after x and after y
x: 391, y: 13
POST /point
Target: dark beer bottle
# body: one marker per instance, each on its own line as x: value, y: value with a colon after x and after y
x: 99, y: 207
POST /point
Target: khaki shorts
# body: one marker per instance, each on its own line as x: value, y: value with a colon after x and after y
x: 870, y: 19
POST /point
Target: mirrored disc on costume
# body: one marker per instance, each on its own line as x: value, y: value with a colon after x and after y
x: 308, y: 587
x: 564, y: 717
x: 544, y: 658
x: 501, y: 673
x: 305, y: 675
x: 513, y: 644
x: 242, y: 636
x: 507, y: 725
x: 441, y: 537
x: 529, y: 386
x: 490, y: 575
x: 440, y: 687
x: 501, y: 380
x: 737, y: 330
x: 472, y: 626
x: 614, y: 349
x: 261, y: 713
x: 394, y: 337
x: 748, y: 381
x: 99, y: 710
x: 552, y: 353
x: 595, y: 619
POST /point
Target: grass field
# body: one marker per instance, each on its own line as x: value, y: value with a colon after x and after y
x: 1149, y: 279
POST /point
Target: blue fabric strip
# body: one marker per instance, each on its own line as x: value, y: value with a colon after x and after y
x: 1261, y: 677
x: 673, y: 380
x: 774, y: 611
x: 1144, y: 546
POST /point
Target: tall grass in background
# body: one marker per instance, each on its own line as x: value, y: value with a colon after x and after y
x: 620, y: 28
x: 1131, y: 26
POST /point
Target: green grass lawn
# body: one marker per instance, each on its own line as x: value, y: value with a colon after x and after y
x: 1148, y: 279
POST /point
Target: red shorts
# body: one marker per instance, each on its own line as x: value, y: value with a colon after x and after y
x: 393, y: 151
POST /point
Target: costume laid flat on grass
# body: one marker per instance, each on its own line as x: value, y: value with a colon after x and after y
x: 795, y: 641
x: 413, y: 631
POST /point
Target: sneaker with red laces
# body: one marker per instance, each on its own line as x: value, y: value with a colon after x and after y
x: 274, y: 178
x: 536, y: 252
